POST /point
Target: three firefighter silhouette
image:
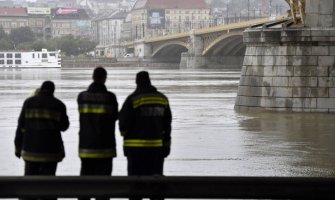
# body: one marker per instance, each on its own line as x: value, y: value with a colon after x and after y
x: 144, y: 122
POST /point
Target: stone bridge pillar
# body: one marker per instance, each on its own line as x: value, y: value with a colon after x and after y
x: 291, y: 69
x: 320, y: 13
x: 142, y: 50
x: 193, y: 58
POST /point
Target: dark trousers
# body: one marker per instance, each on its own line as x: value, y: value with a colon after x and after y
x: 96, y: 167
x: 40, y: 169
x: 146, y: 162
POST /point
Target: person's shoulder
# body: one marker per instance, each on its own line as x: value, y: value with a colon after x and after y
x: 162, y: 94
x: 110, y: 93
x: 58, y: 101
x: 30, y: 99
x: 82, y: 92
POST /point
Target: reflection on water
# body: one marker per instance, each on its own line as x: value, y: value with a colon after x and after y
x: 209, y: 137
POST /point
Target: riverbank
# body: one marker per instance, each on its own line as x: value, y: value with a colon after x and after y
x: 73, y: 63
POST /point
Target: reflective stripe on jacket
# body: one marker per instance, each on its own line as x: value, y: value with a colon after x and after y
x: 97, y: 153
x: 143, y: 143
x: 42, y: 157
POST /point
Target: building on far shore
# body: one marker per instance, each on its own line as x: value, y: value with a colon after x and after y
x: 107, y: 32
x: 11, y: 18
x: 39, y: 20
x: 160, y: 17
x: 74, y: 21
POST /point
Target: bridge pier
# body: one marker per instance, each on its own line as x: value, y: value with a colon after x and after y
x: 291, y: 69
x: 194, y: 58
x: 142, y: 50
x: 189, y: 60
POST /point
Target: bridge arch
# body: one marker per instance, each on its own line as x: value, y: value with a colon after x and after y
x: 227, y: 44
x: 165, y: 49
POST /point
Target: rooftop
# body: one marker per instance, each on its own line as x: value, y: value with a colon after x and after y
x: 13, y: 12
x: 70, y: 13
x: 170, y: 4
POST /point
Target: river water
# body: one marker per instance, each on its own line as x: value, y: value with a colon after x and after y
x: 209, y: 138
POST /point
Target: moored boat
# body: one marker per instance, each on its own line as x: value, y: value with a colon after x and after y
x: 30, y: 59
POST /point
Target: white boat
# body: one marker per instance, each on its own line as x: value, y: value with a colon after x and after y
x: 30, y: 59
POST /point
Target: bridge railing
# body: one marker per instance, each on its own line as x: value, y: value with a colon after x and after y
x: 168, y: 187
x: 226, y: 27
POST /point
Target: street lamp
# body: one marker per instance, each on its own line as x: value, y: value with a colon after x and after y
x: 248, y: 9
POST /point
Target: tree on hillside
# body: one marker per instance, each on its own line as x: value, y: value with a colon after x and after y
x: 5, y: 44
x: 3, y: 34
x: 72, y: 46
x: 21, y: 35
x: 38, y: 45
x: 67, y: 44
x: 85, y: 46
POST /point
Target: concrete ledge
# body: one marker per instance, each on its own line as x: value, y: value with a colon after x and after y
x: 168, y: 187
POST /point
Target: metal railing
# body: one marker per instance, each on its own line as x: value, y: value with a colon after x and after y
x: 169, y: 187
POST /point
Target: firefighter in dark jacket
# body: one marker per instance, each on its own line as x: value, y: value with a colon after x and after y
x: 98, y: 110
x: 145, y: 124
x: 38, y: 139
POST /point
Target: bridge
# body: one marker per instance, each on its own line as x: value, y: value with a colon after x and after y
x: 210, y: 47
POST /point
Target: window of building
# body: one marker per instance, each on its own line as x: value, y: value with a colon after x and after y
x: 39, y: 23
x: 9, y: 62
x: 17, y: 55
x: 44, y: 55
x: 52, y: 54
x: 2, y: 55
x: 167, y: 12
x: 2, y: 62
x: 18, y: 62
x: 9, y: 55
x: 33, y: 55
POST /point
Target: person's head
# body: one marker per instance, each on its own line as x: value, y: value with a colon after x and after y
x: 48, y: 87
x: 99, y: 75
x: 143, y: 79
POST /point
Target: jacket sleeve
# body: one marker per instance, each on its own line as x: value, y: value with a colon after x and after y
x: 19, y: 132
x: 125, y: 117
x: 167, y: 131
x: 116, y: 106
x: 64, y: 123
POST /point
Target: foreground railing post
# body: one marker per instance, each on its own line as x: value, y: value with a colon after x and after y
x: 169, y: 187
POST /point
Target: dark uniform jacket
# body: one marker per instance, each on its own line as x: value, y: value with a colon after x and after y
x: 38, y: 137
x: 98, y: 110
x: 145, y: 120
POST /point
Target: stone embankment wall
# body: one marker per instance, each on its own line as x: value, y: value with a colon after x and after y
x: 320, y: 13
x: 79, y: 63
x: 288, y: 70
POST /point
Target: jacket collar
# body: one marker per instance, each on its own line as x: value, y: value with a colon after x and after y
x: 97, y: 87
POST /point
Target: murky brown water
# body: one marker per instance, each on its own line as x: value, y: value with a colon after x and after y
x: 209, y: 137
